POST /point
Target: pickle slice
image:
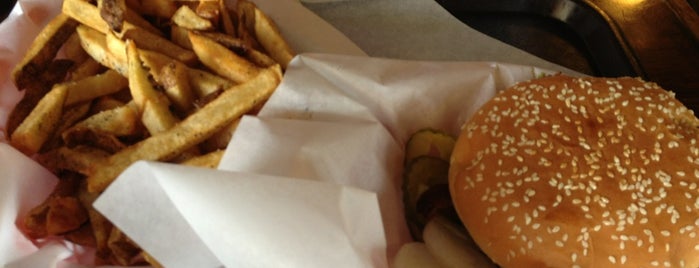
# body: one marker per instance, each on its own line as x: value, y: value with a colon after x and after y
x: 429, y: 142
x: 421, y: 173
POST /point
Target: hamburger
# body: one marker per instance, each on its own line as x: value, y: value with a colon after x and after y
x: 567, y: 171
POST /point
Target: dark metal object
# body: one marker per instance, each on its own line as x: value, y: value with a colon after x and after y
x: 565, y: 32
x: 657, y: 40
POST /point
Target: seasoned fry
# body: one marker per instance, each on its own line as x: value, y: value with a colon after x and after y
x: 196, y: 128
x: 112, y: 12
x: 43, y: 50
x: 241, y: 48
x: 95, y: 44
x: 78, y: 159
x: 226, y: 19
x: 209, y: 160
x: 153, y: 105
x: 73, y: 51
x: 122, y: 121
x: 149, y: 41
x: 86, y: 13
x: 209, y: 10
x: 176, y: 82
x: 88, y: 67
x: 138, y: 80
x: 180, y: 36
x: 95, y: 86
x: 38, y: 127
x: 271, y: 40
x: 186, y: 18
x: 221, y: 60
x: 35, y: 91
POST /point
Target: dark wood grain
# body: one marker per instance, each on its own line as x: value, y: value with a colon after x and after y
x: 663, y: 38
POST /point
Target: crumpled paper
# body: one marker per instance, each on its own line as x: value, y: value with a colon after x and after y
x: 317, y: 171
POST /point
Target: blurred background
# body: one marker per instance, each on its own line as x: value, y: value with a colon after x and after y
x: 654, y: 39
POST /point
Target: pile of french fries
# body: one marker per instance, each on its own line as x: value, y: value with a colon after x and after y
x: 109, y: 82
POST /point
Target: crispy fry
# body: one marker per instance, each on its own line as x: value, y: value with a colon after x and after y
x: 209, y: 10
x: 121, y: 121
x: 112, y: 12
x: 70, y: 115
x: 43, y: 50
x: 78, y: 159
x: 124, y: 250
x: 73, y: 51
x: 271, y: 40
x: 86, y: 13
x: 154, y: 107
x: 220, y: 140
x: 86, y: 68
x: 95, y: 44
x: 196, y: 128
x: 227, y: 23
x: 186, y: 18
x: 209, y: 160
x: 35, y: 91
x: 240, y: 47
x: 221, y: 60
x: 95, y: 86
x: 180, y: 36
x: 204, y: 83
x: 176, y: 82
x: 149, y: 41
x: 158, y: 8
x: 197, y: 60
x: 65, y: 213
x: 41, y: 122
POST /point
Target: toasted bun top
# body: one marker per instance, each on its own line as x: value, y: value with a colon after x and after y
x: 586, y: 172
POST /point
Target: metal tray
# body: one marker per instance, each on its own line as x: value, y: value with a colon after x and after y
x: 566, y: 32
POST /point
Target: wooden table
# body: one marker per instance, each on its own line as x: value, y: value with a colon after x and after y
x: 662, y: 41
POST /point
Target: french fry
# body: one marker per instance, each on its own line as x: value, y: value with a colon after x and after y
x: 124, y: 250
x: 121, y: 121
x: 70, y: 115
x: 204, y: 83
x: 78, y: 159
x: 73, y: 51
x: 113, y: 13
x: 86, y: 13
x: 271, y: 40
x: 38, y: 127
x: 149, y: 41
x: 209, y: 10
x: 65, y: 213
x: 227, y: 23
x: 196, y: 128
x: 95, y: 44
x: 180, y: 36
x: 88, y: 67
x: 186, y: 18
x: 89, y: 15
x: 43, y: 50
x: 95, y: 86
x: 192, y: 69
x: 209, y: 160
x: 221, y: 60
x: 175, y: 79
x: 36, y: 89
x: 240, y: 47
x: 154, y: 107
x: 158, y: 8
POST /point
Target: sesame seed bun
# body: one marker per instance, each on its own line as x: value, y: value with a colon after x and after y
x: 581, y: 172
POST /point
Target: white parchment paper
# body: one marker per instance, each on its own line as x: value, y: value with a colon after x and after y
x: 318, y: 171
